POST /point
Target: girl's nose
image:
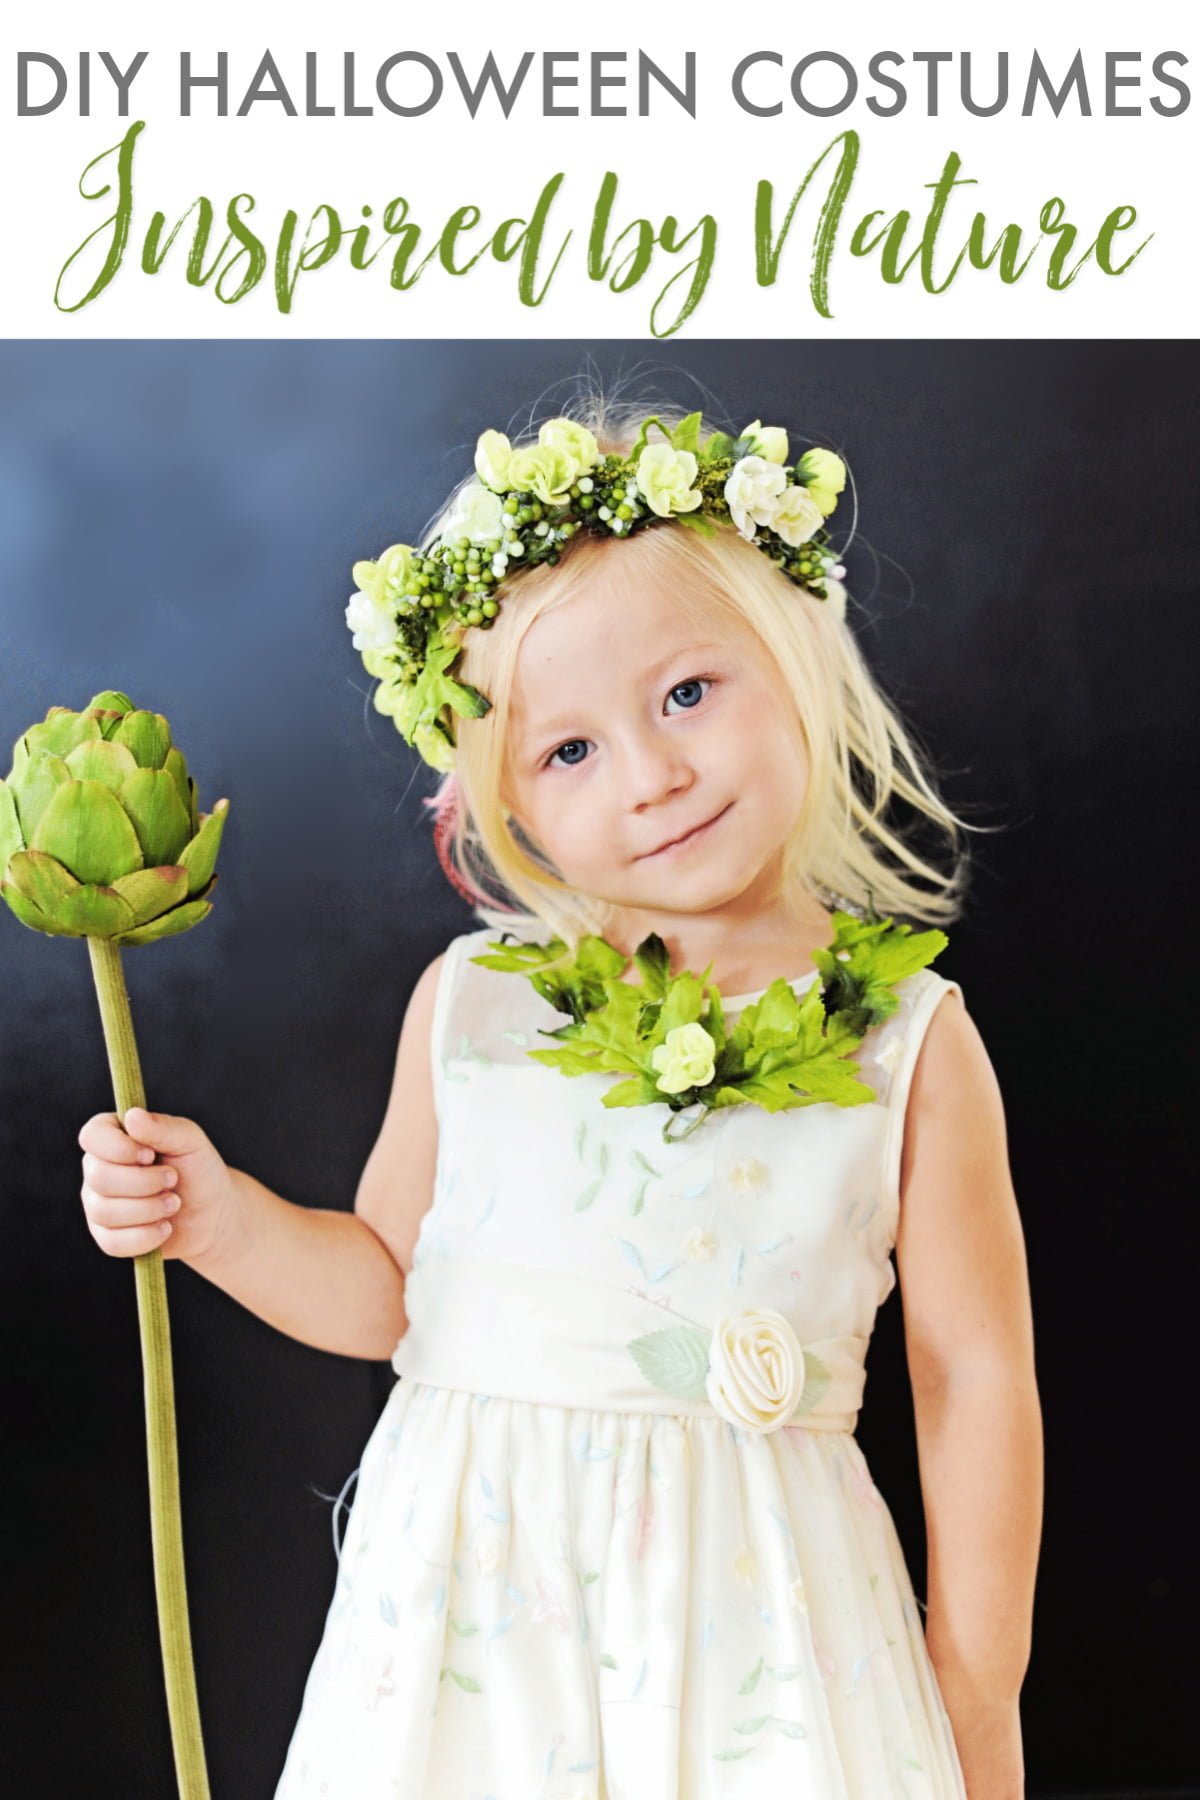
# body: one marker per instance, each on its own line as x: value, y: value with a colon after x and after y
x: 652, y: 770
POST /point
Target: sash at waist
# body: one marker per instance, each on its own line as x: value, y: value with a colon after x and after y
x: 552, y: 1338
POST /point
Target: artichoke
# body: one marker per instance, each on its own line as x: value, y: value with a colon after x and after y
x: 100, y: 836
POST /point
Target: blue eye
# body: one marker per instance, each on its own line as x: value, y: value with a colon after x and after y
x: 690, y: 693
x: 567, y: 751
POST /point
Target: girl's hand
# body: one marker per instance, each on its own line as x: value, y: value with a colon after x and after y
x: 159, y: 1182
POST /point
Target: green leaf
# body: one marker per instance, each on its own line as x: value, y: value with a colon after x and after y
x: 147, y: 734
x: 638, y: 1092
x: 26, y: 911
x: 171, y: 924
x: 94, y: 912
x: 653, y: 963
x: 59, y: 732
x: 151, y: 892
x: 717, y: 447
x: 112, y: 701
x: 85, y: 827
x: 436, y: 688
x: 33, y: 786
x: 151, y: 799
x: 686, y: 435
x: 682, y: 1004
x: 42, y: 880
x: 696, y: 521
x: 11, y: 836
x: 98, y: 760
x: 199, y: 857
x: 675, y: 1360
x: 176, y: 763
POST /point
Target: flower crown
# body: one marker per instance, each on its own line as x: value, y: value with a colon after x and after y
x: 412, y: 606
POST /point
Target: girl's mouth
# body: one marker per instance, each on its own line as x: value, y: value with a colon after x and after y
x: 688, y: 838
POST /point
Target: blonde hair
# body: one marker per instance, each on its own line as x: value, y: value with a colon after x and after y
x: 862, y: 757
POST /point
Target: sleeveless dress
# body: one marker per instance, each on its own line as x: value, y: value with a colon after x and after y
x: 559, y: 1581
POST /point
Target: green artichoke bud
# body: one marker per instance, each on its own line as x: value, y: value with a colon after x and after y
x: 99, y: 830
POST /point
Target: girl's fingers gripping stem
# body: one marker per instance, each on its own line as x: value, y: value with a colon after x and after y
x: 105, y: 1137
x: 125, y: 1180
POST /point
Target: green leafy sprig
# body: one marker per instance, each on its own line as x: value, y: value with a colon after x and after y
x: 784, y: 1051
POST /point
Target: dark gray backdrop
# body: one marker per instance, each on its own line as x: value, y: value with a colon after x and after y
x: 179, y: 520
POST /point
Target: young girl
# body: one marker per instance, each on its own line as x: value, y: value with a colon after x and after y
x: 626, y: 1229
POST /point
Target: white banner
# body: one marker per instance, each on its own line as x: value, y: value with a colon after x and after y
x: 482, y: 171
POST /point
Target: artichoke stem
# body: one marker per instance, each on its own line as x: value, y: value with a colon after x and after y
x: 162, y: 1454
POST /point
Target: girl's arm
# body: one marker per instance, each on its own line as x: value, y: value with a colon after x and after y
x: 969, y: 1338
x: 335, y: 1279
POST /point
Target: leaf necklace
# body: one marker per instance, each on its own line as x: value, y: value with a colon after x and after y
x: 667, y: 1036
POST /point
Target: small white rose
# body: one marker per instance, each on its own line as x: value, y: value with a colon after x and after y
x: 372, y: 621
x: 493, y: 453
x: 576, y: 440
x: 796, y: 517
x: 752, y: 492
x: 477, y: 514
x: 665, y: 477
x: 686, y: 1058
x: 755, y: 1370
x: 771, y: 440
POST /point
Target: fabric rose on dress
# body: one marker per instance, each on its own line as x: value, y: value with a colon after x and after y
x: 752, y: 493
x: 686, y: 1058
x: 477, y: 514
x: 755, y: 1370
x: 665, y: 477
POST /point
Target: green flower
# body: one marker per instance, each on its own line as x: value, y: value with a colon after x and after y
x: 99, y: 831
x: 665, y: 477
x: 576, y: 440
x: 542, y: 470
x: 771, y: 439
x: 385, y: 581
x: 686, y: 1058
x: 493, y: 454
x: 824, y: 475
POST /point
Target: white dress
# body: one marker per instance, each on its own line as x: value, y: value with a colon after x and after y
x: 561, y: 1582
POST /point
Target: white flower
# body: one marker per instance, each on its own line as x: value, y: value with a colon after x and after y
x: 796, y: 517
x: 747, y: 1175
x: 752, y: 490
x: 755, y: 1370
x: 686, y: 1058
x: 665, y: 477
x: 771, y: 439
x: 371, y: 620
x: 576, y: 440
x: 701, y: 1246
x: 477, y: 514
x: 493, y: 453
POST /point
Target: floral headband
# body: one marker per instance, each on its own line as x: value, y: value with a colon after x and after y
x: 412, y: 607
